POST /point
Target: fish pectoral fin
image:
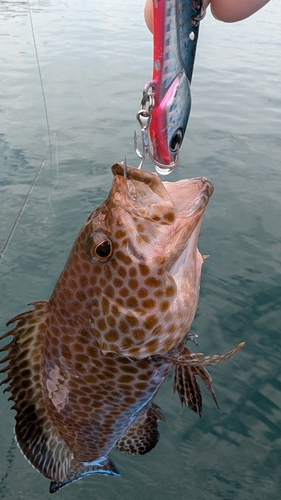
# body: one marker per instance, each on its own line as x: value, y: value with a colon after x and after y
x: 78, y: 470
x: 142, y: 435
x: 35, y: 435
x: 188, y: 358
x: 185, y: 383
x: 207, y: 379
x: 189, y: 366
x: 213, y: 359
x: 188, y: 389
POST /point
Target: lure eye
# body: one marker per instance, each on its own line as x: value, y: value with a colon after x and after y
x: 176, y: 140
x: 99, y: 246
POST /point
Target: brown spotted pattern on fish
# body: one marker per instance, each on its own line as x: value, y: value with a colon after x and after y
x: 140, y: 305
x: 83, y: 368
x: 86, y: 401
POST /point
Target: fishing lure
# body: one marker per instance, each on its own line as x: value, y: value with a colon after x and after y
x: 166, y: 102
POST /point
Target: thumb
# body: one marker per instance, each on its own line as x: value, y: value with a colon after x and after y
x: 148, y: 14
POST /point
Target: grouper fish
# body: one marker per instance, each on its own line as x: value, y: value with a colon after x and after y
x: 84, y: 367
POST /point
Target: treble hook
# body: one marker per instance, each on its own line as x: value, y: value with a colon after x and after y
x: 144, y: 117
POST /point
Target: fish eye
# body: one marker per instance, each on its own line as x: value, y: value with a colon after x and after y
x: 103, y: 250
x: 99, y: 246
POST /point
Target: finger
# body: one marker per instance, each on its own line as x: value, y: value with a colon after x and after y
x: 148, y: 14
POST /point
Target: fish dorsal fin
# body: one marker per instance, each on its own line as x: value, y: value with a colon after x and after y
x: 35, y: 434
x: 142, y: 435
x: 79, y: 470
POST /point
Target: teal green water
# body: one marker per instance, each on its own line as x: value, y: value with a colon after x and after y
x: 95, y: 58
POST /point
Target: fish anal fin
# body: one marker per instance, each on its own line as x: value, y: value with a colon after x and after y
x: 36, y: 436
x: 143, y: 434
x: 78, y: 470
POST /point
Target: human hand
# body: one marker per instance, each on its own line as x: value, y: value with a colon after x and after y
x: 228, y: 11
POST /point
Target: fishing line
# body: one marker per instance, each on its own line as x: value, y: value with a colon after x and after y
x: 41, y: 79
x: 49, y: 150
x: 10, y: 458
x: 57, y: 179
x: 27, y: 196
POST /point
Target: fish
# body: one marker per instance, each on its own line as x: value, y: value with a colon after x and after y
x: 83, y: 368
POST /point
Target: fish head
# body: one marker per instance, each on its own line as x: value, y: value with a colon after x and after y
x: 160, y: 220
x: 143, y: 267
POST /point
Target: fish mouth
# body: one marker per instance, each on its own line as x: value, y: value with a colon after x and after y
x: 190, y: 198
x: 190, y: 195
x: 171, y: 212
x: 186, y: 196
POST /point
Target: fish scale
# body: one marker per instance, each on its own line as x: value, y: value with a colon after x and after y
x: 83, y: 368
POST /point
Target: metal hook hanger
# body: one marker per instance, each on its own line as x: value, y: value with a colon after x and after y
x: 144, y: 118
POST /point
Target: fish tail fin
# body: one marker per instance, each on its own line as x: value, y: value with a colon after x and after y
x: 35, y: 434
x: 78, y: 470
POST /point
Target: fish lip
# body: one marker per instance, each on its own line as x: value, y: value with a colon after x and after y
x: 190, y: 198
x: 187, y: 195
x: 184, y: 203
x: 190, y: 195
